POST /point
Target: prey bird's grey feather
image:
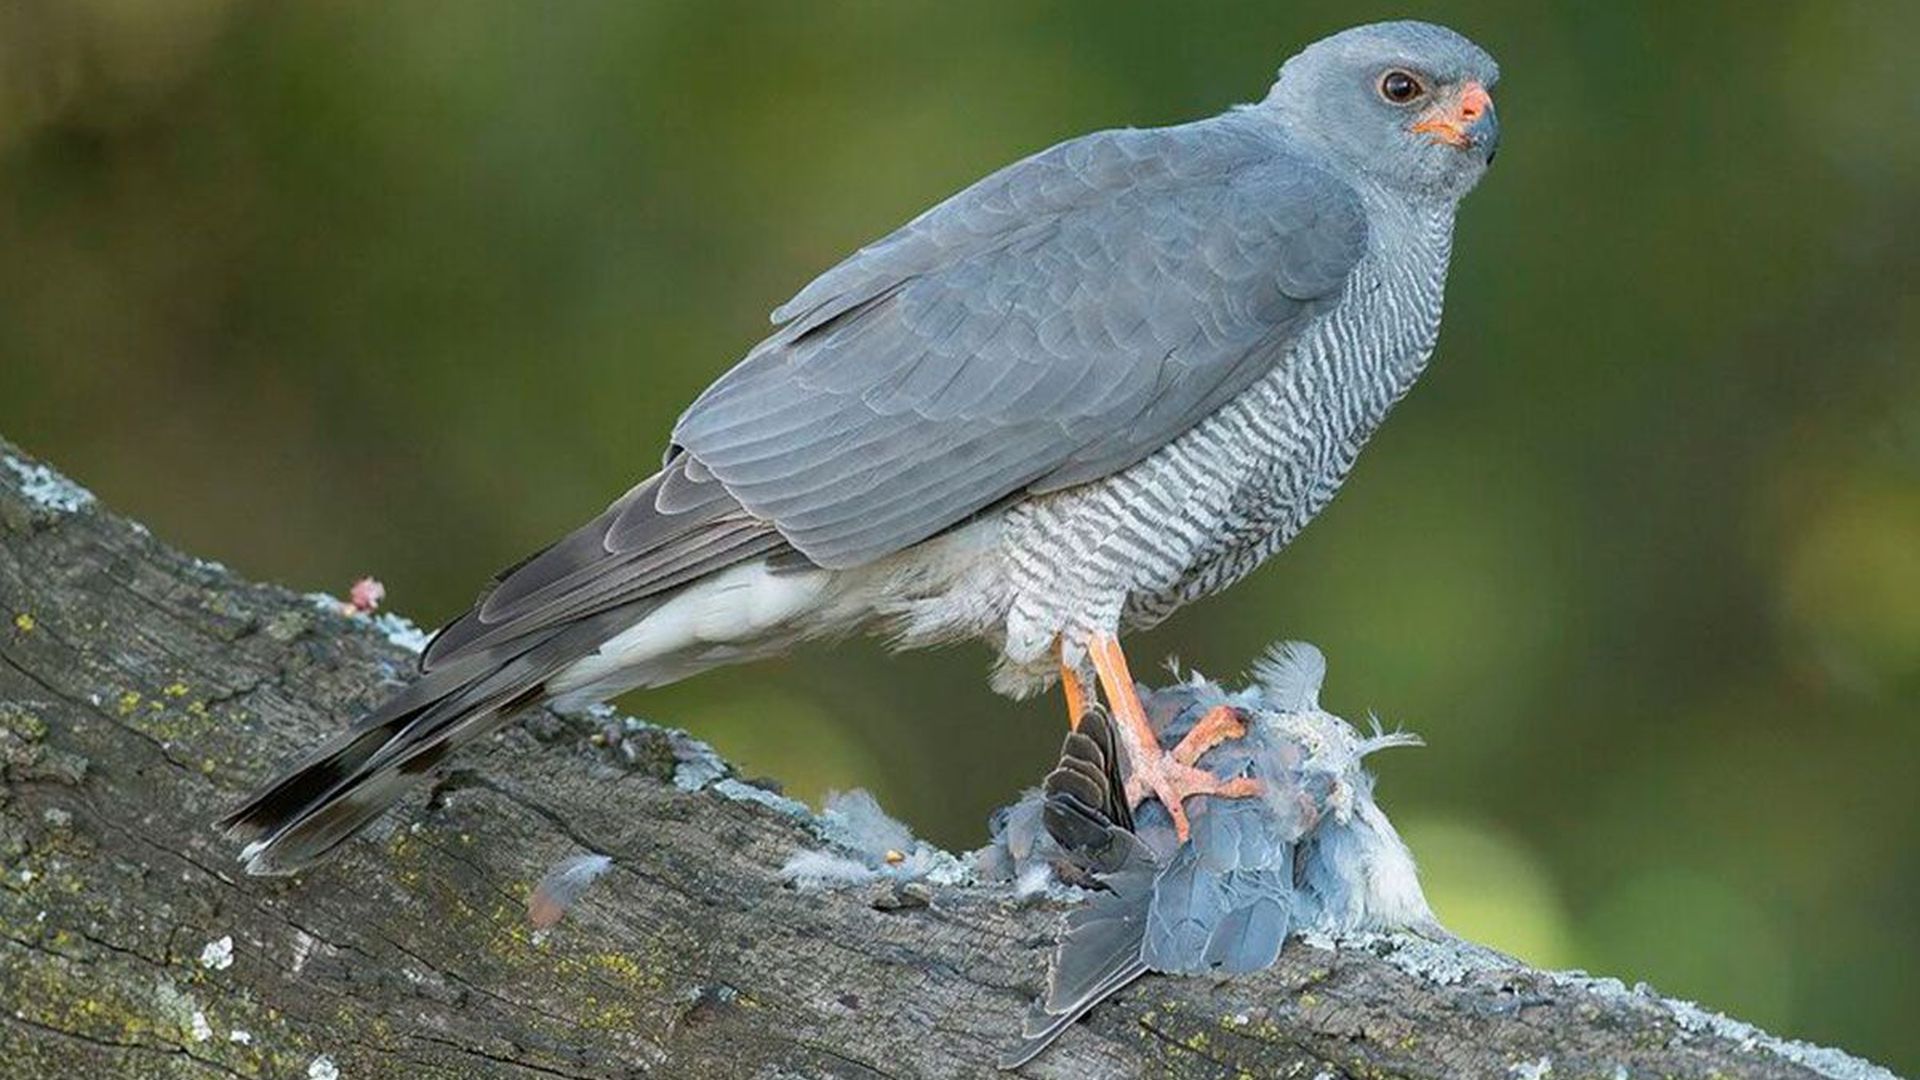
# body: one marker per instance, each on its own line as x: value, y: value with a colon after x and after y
x: 1101, y: 383
x: 1313, y: 851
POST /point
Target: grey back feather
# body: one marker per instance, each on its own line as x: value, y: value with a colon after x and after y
x: 1052, y: 324
x: 1224, y: 899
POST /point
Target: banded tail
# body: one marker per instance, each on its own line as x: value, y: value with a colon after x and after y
x: 540, y: 618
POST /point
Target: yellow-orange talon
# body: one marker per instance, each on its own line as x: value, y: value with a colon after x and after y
x: 1075, y: 691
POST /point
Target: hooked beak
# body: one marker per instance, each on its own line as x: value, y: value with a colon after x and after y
x: 1468, y: 122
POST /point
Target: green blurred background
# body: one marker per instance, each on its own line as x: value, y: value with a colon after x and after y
x: 325, y: 290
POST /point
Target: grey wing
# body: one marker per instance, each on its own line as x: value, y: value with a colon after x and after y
x: 1050, y: 325
x: 677, y: 525
x: 1225, y: 900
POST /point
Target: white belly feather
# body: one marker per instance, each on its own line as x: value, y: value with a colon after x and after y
x: 937, y: 591
x: 712, y: 621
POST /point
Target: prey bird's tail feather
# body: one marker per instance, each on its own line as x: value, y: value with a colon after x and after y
x: 1087, y: 814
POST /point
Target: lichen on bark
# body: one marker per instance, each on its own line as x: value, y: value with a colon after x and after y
x: 142, y: 691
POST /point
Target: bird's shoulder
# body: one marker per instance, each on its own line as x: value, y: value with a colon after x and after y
x: 1243, y: 174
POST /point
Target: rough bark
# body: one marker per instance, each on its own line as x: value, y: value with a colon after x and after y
x: 142, y: 691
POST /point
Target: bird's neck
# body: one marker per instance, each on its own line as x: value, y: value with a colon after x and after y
x: 1411, y: 244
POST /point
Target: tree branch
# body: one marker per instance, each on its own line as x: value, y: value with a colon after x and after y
x: 143, y: 691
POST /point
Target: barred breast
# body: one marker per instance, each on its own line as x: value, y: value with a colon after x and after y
x: 1209, y: 507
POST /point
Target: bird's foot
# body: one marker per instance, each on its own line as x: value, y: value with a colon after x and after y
x: 1164, y: 777
x: 1170, y: 776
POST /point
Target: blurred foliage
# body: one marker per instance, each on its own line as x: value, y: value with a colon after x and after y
x: 407, y: 289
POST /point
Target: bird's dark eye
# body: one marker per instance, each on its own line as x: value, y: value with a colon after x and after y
x: 1400, y: 87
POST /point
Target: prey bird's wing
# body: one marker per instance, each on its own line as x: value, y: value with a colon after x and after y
x: 1086, y: 809
x: 1086, y: 813
x: 1226, y: 899
x: 1098, y: 957
x: 1052, y: 324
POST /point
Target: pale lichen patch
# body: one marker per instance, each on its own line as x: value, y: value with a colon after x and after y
x: 218, y: 954
x: 47, y: 489
x: 397, y: 629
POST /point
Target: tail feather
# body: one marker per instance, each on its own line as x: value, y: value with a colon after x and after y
x: 345, y: 784
x: 1041, y: 1028
x: 674, y: 528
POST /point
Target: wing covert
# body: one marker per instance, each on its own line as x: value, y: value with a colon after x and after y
x: 1050, y: 325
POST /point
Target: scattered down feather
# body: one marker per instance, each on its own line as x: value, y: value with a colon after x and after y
x: 865, y: 845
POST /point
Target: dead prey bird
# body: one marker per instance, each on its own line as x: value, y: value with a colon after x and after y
x: 1311, y: 852
x: 1102, y: 382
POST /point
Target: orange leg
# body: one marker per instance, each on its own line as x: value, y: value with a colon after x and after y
x: 1111, y: 665
x: 1156, y: 772
x: 1075, y: 691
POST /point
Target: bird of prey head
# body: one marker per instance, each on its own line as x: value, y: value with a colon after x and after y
x: 1408, y: 103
